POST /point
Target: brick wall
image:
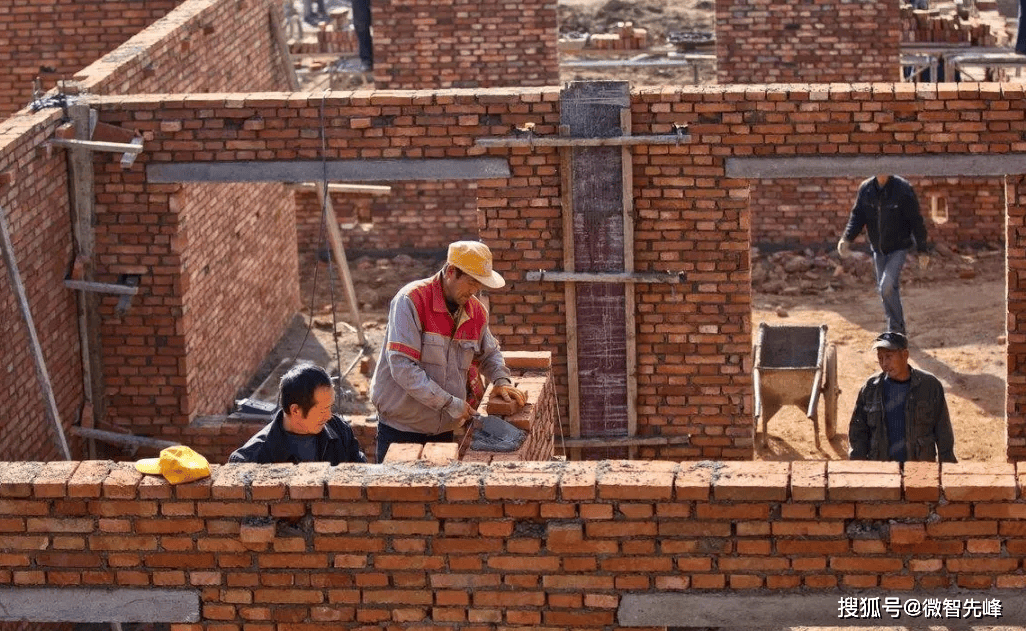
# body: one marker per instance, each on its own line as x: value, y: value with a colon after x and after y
x: 34, y: 198
x: 814, y: 211
x: 150, y: 385
x: 203, y: 46
x: 765, y: 41
x: 66, y: 37
x: 416, y: 216
x: 693, y: 340
x: 240, y: 285
x: 553, y: 544
x: 427, y: 44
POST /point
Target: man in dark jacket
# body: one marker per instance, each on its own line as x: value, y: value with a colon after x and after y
x: 900, y: 413
x: 888, y: 208
x: 303, y: 429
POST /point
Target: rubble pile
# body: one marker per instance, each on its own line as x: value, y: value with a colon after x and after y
x: 811, y: 271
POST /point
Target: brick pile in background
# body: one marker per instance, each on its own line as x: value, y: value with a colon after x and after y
x: 626, y: 37
x: 814, y: 211
x: 327, y: 39
x: 420, y: 44
x: 65, y: 37
x: 553, y: 543
x: 928, y: 26
x: 766, y: 41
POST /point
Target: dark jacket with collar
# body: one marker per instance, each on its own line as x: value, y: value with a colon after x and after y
x: 336, y: 443
x: 927, y: 425
x: 890, y: 215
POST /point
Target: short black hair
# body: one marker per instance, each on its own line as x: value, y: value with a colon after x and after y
x: 298, y: 385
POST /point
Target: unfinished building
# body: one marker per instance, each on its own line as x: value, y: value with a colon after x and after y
x: 185, y: 236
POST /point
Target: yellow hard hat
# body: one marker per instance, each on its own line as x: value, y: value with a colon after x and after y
x: 177, y: 464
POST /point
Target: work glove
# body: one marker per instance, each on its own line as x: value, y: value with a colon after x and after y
x: 844, y: 248
x: 459, y: 409
x: 509, y: 393
x: 924, y: 261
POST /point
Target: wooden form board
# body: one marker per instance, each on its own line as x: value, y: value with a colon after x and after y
x: 598, y: 237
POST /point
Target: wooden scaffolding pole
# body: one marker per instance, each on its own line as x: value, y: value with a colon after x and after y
x: 7, y: 248
x: 338, y: 251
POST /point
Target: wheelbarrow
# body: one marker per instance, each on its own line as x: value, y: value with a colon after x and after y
x: 793, y: 366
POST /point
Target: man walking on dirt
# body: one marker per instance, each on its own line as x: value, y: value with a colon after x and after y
x: 900, y: 413
x: 437, y: 340
x: 888, y: 208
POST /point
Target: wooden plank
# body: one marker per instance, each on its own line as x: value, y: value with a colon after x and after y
x: 83, y: 198
x: 626, y: 163
x: 380, y: 170
x: 11, y: 263
x: 346, y: 189
x: 102, y: 288
x: 96, y: 145
x: 99, y: 604
x: 606, y: 277
x: 592, y: 110
x: 282, y: 46
x: 122, y: 439
x: 341, y: 263
x: 570, y: 295
x: 614, y: 141
x: 626, y: 441
x: 951, y: 165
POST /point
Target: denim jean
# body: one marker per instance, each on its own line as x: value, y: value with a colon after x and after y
x: 388, y: 435
x: 1020, y: 33
x: 888, y: 283
x: 362, y: 26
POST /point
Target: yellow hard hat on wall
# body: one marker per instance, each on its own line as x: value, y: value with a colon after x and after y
x: 177, y: 464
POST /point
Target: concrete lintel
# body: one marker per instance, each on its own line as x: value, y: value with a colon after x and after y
x: 298, y: 171
x: 71, y: 604
x: 865, y: 166
x: 781, y: 610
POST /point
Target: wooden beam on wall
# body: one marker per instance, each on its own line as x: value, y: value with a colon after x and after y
x: 341, y: 262
x: 383, y: 170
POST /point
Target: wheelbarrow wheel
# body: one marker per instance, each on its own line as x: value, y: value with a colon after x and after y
x: 831, y: 390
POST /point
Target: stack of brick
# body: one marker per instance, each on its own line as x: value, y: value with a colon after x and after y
x: 329, y: 38
x: 626, y: 37
x: 533, y: 375
x: 928, y: 26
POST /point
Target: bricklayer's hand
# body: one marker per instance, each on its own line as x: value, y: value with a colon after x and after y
x: 924, y: 261
x: 509, y: 393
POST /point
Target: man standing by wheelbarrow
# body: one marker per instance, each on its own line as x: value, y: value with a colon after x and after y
x: 900, y: 413
x: 888, y: 208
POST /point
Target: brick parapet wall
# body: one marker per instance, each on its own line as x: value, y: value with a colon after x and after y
x: 34, y: 200
x: 765, y: 41
x: 556, y: 544
x: 427, y: 44
x: 694, y: 340
x: 64, y: 37
x: 813, y: 211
